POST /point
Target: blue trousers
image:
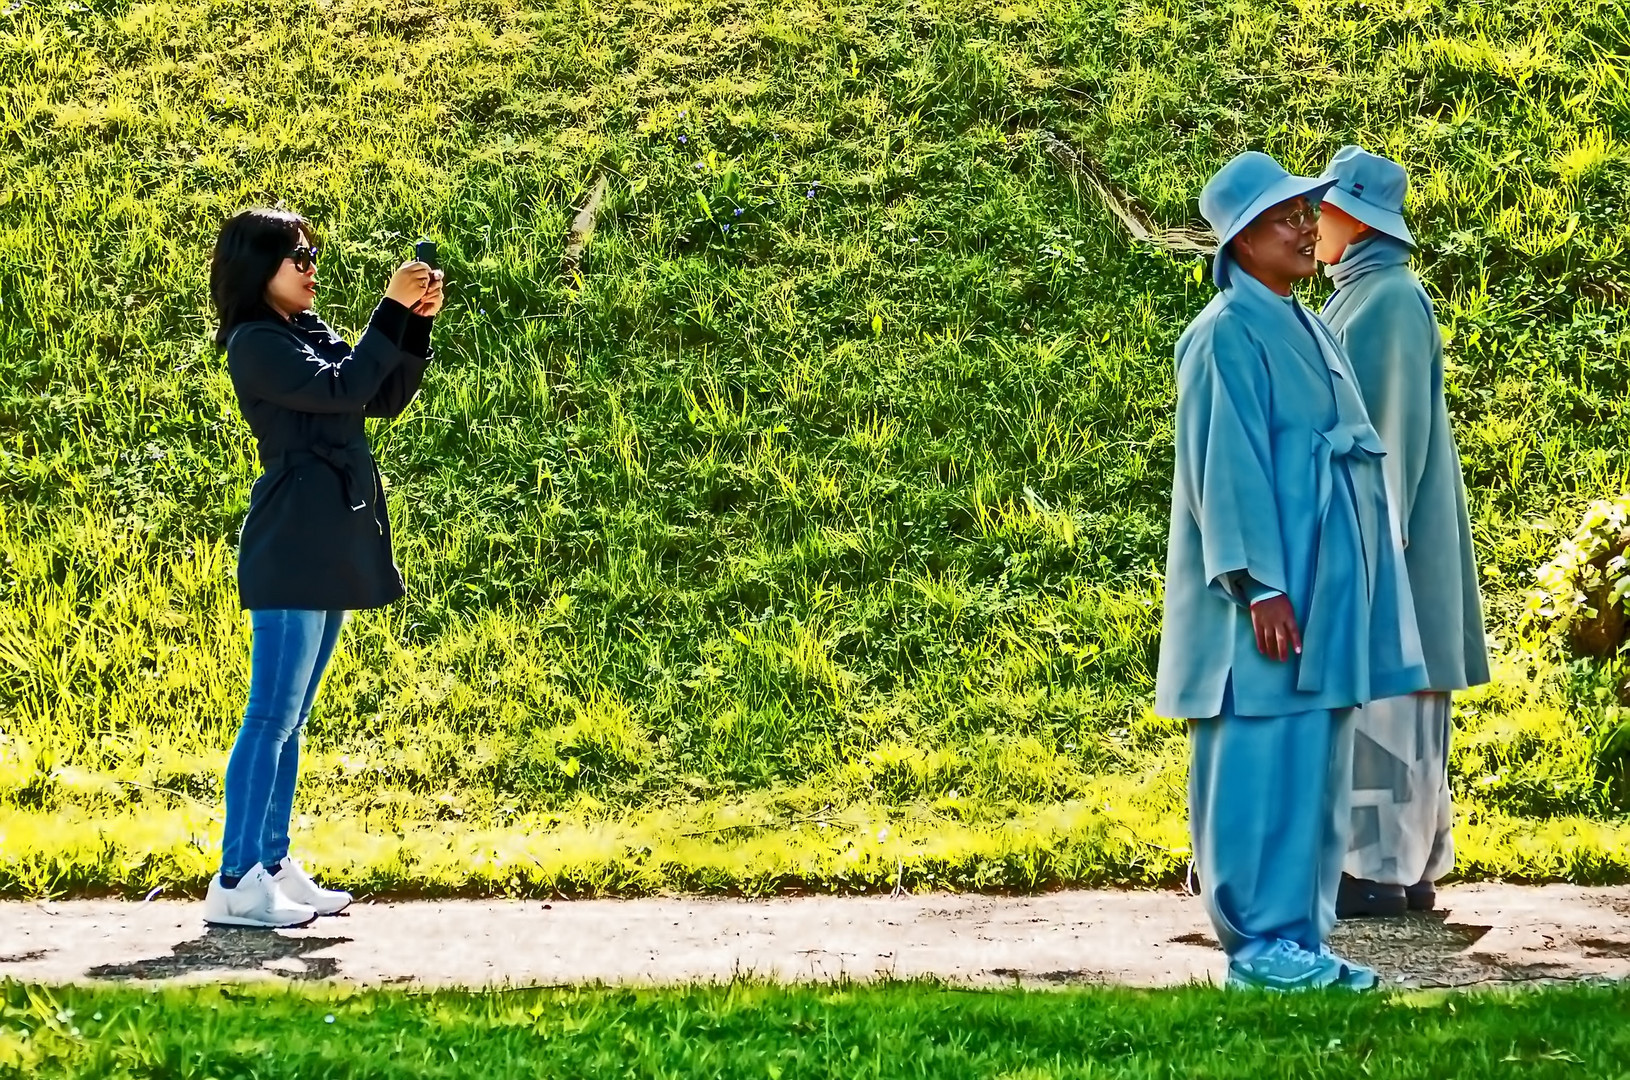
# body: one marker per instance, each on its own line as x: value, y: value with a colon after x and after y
x: 1269, y: 805
x: 289, y: 654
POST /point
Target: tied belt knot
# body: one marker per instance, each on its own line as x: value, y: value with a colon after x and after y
x: 352, y: 461
x: 1329, y: 611
x: 1343, y: 439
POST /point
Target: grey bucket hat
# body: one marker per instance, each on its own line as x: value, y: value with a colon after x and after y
x: 1370, y: 188
x: 1241, y: 190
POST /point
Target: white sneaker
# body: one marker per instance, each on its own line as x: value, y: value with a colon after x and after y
x: 297, y: 885
x: 256, y: 901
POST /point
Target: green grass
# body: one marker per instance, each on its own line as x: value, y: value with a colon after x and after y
x: 743, y: 1030
x: 745, y: 547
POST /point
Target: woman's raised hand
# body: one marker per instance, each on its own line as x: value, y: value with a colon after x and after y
x: 409, y: 283
x: 431, y: 302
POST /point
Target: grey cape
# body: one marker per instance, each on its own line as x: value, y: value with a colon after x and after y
x: 1385, y: 322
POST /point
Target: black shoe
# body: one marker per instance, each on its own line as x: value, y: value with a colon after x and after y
x: 1422, y: 896
x: 1361, y: 899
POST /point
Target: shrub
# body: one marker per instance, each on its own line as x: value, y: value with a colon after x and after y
x: 1584, y: 590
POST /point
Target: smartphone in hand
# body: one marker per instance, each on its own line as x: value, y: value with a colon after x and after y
x: 425, y: 251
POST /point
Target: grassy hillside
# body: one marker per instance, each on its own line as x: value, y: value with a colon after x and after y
x: 810, y: 531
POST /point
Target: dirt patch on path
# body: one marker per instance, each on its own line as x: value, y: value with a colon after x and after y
x: 1481, y: 934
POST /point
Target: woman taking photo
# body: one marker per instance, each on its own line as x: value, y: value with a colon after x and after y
x: 317, y: 541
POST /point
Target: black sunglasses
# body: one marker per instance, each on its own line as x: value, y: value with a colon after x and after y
x: 304, y: 258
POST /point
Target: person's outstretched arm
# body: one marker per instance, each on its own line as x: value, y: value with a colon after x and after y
x: 412, y: 333
x: 402, y: 385
x: 270, y: 364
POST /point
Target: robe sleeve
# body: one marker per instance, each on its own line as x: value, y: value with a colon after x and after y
x: 1394, y: 347
x: 1225, y: 460
x: 1249, y: 589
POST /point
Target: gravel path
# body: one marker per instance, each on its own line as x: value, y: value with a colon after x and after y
x: 1480, y: 934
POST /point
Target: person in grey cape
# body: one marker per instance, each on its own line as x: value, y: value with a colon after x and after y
x: 1401, y: 842
x: 1286, y: 600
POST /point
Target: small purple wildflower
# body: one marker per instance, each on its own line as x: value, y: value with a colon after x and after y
x: 683, y: 139
x: 727, y: 226
x: 811, y: 194
x: 738, y: 211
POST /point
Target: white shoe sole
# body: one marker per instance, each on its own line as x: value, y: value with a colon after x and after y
x: 256, y: 924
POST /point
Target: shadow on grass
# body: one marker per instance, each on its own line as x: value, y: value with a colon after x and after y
x: 223, y: 950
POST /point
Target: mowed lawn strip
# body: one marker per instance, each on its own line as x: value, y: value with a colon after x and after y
x: 899, y: 1030
x: 809, y: 533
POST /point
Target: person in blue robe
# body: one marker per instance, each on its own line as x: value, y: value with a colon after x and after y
x: 1286, y: 600
x: 1401, y: 842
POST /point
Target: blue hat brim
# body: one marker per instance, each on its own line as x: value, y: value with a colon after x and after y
x: 1290, y: 187
x: 1375, y: 217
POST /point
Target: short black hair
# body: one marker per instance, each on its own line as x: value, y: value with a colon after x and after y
x: 251, y: 246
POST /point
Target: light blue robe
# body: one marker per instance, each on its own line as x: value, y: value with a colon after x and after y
x: 1278, y: 475
x: 1385, y: 321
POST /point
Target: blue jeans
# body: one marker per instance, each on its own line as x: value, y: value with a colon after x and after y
x: 291, y: 649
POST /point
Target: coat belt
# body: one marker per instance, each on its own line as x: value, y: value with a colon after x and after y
x: 1326, y: 609
x: 353, y: 461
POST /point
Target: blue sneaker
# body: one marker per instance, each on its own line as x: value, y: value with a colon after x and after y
x: 1354, y: 976
x: 1285, y: 966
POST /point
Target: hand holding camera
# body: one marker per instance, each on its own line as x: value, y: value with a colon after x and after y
x: 409, y: 283
x: 417, y: 285
x: 431, y: 301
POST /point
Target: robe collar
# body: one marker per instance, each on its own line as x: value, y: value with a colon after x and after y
x: 1376, y: 252
x: 1285, y: 323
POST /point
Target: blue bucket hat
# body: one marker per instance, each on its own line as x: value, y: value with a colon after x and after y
x: 1241, y: 190
x: 1370, y: 188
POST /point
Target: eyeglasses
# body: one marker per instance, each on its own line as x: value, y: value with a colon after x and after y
x: 303, y: 258
x: 1307, y: 215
